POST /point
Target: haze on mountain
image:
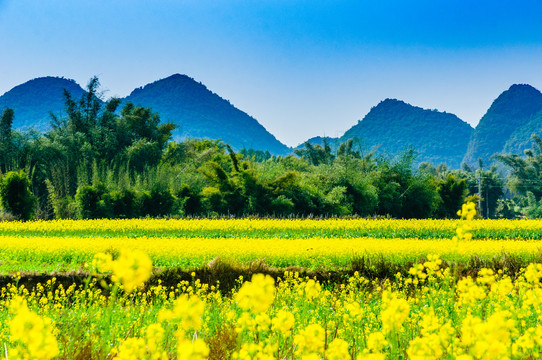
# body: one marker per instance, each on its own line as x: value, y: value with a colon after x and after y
x: 507, y: 125
x: 200, y: 113
x: 394, y: 126
x: 35, y: 100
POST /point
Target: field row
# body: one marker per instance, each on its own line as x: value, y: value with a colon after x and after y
x: 62, y: 254
x: 273, y: 228
x: 424, y: 315
x: 170, y: 289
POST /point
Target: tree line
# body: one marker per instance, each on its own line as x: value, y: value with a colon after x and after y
x: 113, y: 160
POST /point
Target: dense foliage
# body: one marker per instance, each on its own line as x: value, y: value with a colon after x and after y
x: 115, y: 160
x: 15, y: 195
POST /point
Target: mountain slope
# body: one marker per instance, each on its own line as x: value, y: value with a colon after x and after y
x: 520, y: 139
x: 505, y: 126
x: 394, y: 125
x: 33, y: 101
x: 200, y: 113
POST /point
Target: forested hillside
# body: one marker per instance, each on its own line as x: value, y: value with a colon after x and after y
x: 199, y: 113
x: 390, y: 128
x: 520, y: 140
x: 195, y: 110
x: 107, y: 159
x: 393, y: 126
x: 507, y: 125
x: 36, y: 99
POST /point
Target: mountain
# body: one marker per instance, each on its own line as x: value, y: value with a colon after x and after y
x: 507, y: 125
x: 33, y: 101
x: 319, y: 140
x: 200, y: 113
x: 393, y: 126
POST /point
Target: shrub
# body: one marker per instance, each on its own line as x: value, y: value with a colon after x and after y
x: 93, y: 202
x: 123, y: 204
x: 282, y: 206
x: 158, y: 202
x: 190, y: 201
x: 16, y: 197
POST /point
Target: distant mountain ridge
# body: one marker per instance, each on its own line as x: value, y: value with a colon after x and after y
x: 195, y: 110
x: 393, y: 126
x: 198, y: 113
x: 507, y: 125
x: 34, y: 101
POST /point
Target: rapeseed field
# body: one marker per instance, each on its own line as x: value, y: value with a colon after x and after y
x: 430, y: 311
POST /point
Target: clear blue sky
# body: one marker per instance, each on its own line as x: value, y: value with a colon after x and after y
x: 302, y: 68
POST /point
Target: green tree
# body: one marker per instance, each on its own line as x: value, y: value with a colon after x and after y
x: 15, y: 195
x: 316, y: 154
x: 533, y: 210
x: 526, y: 172
x: 490, y: 185
x: 6, y: 123
x: 452, y: 192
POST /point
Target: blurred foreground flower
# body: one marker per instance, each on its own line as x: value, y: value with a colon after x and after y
x: 131, y: 269
x: 257, y: 295
x: 32, y: 333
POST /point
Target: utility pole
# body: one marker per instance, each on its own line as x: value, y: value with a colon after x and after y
x: 480, y: 169
x: 480, y: 191
x: 487, y: 202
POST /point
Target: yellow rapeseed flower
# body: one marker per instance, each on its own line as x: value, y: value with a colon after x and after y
x: 337, y: 350
x: 283, y: 321
x: 257, y: 295
x: 310, y: 339
x: 32, y: 334
x: 188, y: 350
x: 187, y: 310
x: 394, y: 313
x: 132, y: 269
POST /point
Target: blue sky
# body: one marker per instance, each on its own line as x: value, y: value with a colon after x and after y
x: 302, y: 68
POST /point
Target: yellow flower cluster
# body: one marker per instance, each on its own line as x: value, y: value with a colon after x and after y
x: 394, y: 313
x: 187, y: 311
x: 467, y: 213
x: 314, y: 252
x: 32, y: 334
x: 284, y: 321
x: 131, y: 269
x: 257, y: 295
x: 330, y: 243
x: 360, y: 319
x: 192, y: 350
x: 149, y: 347
x: 311, y: 340
x: 426, y: 313
x: 264, y: 227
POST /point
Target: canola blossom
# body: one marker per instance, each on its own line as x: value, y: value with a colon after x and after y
x: 490, y: 316
x: 71, y: 245
x: 32, y: 335
x: 431, y: 311
x: 72, y: 253
x: 272, y: 228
